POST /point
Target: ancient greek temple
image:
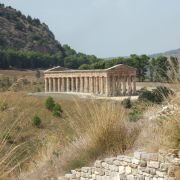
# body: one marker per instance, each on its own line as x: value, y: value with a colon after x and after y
x: 119, y: 80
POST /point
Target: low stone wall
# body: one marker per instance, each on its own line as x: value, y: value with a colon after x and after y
x: 142, y: 166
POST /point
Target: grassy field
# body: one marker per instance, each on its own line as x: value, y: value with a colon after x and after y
x: 88, y: 129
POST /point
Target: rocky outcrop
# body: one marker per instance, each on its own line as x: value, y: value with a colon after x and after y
x: 141, y: 166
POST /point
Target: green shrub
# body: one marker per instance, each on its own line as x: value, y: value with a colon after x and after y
x: 3, y: 106
x: 146, y: 95
x: 135, y: 115
x: 57, y: 110
x: 127, y: 103
x: 161, y: 93
x: 157, y: 95
x: 36, y: 121
x: 50, y: 103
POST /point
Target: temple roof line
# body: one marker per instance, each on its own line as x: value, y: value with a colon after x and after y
x: 62, y: 69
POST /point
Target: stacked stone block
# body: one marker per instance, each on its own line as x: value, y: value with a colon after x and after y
x: 142, y: 166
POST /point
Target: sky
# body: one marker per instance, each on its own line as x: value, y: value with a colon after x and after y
x: 109, y: 28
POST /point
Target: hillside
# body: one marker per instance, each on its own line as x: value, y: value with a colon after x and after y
x: 21, y: 32
x: 26, y: 43
x: 175, y: 53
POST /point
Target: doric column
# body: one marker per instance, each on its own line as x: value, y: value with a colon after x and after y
x: 77, y: 84
x: 96, y: 85
x: 72, y: 84
x: 92, y: 86
x: 46, y: 85
x: 81, y: 84
x: 54, y: 84
x: 68, y: 84
x: 124, y: 85
x: 114, y: 86
x: 62, y: 84
x: 59, y: 84
x: 101, y: 85
x: 129, y: 85
x: 134, y: 84
x: 120, y: 85
x: 86, y: 84
x: 50, y: 85
x: 108, y: 86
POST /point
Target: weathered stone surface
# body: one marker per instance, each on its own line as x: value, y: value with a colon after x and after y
x: 138, y: 154
x: 114, y: 168
x: 130, y: 177
x: 153, y: 164
x: 143, y: 163
x: 109, y: 160
x: 135, y: 161
x: 149, y: 156
x: 128, y: 170
x: 117, y: 162
x: 70, y: 176
x: 164, y: 166
x: 123, y: 167
x: 160, y: 174
x: 105, y: 165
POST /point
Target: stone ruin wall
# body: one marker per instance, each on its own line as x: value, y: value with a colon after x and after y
x: 142, y: 166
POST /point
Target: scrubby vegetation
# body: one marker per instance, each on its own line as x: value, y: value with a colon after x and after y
x: 50, y: 103
x: 36, y: 121
x: 157, y: 95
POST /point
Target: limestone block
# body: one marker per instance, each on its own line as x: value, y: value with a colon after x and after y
x: 107, y: 172
x: 160, y: 174
x: 149, y: 156
x: 109, y: 160
x: 152, y: 171
x: 143, y: 169
x: 93, y: 176
x: 133, y: 165
x: 147, y: 178
x: 128, y: 170
x: 120, y: 158
x: 114, y: 168
x: 135, y: 161
x: 99, y: 171
x: 121, y: 169
x: 160, y: 178
x: 105, y: 165
x: 141, y: 177
x: 123, y: 163
x: 134, y: 171
x: 138, y: 154
x: 127, y: 159
x: 70, y: 176
x: 122, y: 177
x: 98, y: 164
x: 164, y: 166
x: 153, y: 164
x: 85, y: 169
x: 143, y: 163
x: 117, y: 162
x: 130, y: 177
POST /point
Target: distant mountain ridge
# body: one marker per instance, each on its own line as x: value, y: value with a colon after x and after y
x: 175, y: 53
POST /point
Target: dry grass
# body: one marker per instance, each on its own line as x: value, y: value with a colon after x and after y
x: 88, y: 130
x: 100, y: 130
x: 20, y: 141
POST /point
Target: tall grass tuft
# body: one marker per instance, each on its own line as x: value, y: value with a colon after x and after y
x: 100, y: 129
